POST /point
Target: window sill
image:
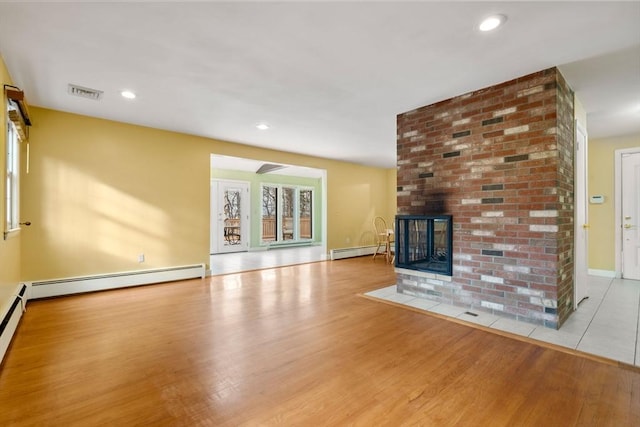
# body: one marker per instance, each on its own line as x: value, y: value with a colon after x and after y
x: 10, y: 233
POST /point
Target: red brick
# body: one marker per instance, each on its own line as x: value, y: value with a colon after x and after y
x: 533, y: 184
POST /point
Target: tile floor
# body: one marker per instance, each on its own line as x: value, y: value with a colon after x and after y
x: 256, y: 260
x: 606, y: 324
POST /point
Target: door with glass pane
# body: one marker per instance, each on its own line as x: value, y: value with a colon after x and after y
x: 230, y: 228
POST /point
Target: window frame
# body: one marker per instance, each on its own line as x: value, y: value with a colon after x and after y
x: 280, y: 211
x: 12, y: 177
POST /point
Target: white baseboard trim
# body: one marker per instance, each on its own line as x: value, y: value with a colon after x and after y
x: 10, y: 316
x: 351, y: 252
x: 74, y: 285
x: 601, y: 273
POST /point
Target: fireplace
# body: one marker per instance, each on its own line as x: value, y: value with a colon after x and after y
x: 501, y: 161
x: 424, y: 243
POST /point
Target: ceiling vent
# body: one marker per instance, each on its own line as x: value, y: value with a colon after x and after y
x: 269, y: 167
x: 85, y: 92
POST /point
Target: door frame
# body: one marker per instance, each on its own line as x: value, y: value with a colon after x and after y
x: 618, y: 204
x: 581, y: 217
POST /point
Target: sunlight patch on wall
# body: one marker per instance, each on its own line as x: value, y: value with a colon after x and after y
x: 98, y: 220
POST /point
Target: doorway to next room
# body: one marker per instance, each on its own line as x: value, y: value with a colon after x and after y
x: 265, y: 214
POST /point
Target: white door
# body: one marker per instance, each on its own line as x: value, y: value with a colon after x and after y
x: 580, y: 286
x: 229, y: 216
x: 630, y: 216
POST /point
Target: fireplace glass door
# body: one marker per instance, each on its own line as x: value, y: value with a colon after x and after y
x: 424, y: 243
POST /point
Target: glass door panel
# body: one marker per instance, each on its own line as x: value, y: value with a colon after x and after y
x: 305, y: 212
x: 232, y: 216
x: 288, y: 206
x: 269, y: 213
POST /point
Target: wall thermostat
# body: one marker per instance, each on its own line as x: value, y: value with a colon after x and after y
x: 596, y: 199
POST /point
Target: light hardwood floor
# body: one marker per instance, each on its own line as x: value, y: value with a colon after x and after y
x: 290, y: 346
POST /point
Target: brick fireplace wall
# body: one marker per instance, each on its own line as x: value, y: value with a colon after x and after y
x: 500, y: 160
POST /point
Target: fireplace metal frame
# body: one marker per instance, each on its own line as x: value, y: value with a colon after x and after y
x: 417, y: 246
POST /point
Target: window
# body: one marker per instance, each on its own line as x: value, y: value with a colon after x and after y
x: 305, y: 214
x: 12, y: 188
x: 288, y: 216
x: 286, y: 213
x: 269, y: 213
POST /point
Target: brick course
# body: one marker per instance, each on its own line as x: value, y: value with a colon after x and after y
x: 500, y: 160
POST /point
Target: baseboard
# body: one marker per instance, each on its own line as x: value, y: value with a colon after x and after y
x: 352, y: 252
x: 74, y: 285
x: 10, y: 316
x: 601, y: 273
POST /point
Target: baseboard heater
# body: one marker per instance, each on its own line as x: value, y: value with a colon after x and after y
x: 11, y: 317
x: 74, y: 285
x: 351, y: 252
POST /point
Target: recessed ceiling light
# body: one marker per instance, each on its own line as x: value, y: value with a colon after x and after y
x: 263, y: 126
x: 128, y: 94
x: 492, y: 22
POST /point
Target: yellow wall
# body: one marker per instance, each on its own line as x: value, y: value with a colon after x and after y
x: 10, y: 248
x: 602, y: 217
x: 101, y: 192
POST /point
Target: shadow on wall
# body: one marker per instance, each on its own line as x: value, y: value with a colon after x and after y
x: 368, y: 238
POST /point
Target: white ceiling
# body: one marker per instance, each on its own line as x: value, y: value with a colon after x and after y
x: 329, y: 77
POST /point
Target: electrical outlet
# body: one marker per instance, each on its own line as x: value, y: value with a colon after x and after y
x: 141, y: 258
